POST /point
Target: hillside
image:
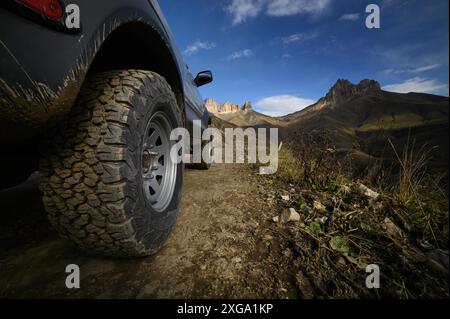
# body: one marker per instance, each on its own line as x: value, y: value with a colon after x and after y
x: 241, y: 116
x: 360, y: 119
x: 365, y: 107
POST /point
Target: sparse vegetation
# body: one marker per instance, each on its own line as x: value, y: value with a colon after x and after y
x: 289, y: 169
x: 366, y: 192
x: 424, y: 202
x: 404, y: 230
x: 312, y: 161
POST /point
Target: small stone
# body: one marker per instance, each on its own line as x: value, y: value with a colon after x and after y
x: 368, y: 192
x: 285, y: 198
x: 290, y: 215
x: 276, y: 219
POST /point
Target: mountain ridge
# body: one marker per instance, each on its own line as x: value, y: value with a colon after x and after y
x: 360, y: 119
x: 343, y: 95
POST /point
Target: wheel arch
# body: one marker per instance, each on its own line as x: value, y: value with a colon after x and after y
x: 137, y: 45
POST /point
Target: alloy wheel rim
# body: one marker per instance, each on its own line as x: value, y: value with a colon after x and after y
x: 158, y: 171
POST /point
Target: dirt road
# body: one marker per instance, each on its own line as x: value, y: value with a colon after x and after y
x: 224, y: 246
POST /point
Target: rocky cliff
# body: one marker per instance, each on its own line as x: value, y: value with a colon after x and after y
x: 344, y: 90
x: 215, y: 107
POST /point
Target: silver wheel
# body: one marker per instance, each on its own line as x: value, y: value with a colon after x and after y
x: 158, y: 171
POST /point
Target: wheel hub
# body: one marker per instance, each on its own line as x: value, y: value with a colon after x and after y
x: 158, y: 171
x: 148, y: 159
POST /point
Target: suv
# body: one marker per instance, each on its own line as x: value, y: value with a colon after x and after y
x: 91, y: 104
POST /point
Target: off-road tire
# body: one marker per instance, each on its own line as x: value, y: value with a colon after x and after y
x: 92, y: 183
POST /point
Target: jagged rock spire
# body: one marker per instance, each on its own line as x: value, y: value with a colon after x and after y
x: 344, y: 89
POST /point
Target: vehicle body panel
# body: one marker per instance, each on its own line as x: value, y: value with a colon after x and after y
x: 42, y: 69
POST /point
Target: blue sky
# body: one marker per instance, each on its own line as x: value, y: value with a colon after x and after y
x: 283, y: 55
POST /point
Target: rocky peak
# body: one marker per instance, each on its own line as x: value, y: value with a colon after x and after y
x: 215, y: 107
x: 211, y: 105
x: 344, y: 90
x: 218, y: 108
x: 229, y: 107
x: 247, y: 106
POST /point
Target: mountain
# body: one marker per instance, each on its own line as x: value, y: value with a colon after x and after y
x: 362, y: 117
x: 243, y: 116
x: 217, y: 108
x: 365, y: 107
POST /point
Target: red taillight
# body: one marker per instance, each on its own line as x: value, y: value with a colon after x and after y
x: 50, y: 8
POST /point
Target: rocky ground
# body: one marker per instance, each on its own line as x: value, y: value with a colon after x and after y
x: 239, y: 235
x: 224, y: 246
x: 334, y: 235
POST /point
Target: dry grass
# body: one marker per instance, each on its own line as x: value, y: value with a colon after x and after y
x: 397, y: 231
x: 413, y: 166
x: 289, y: 169
x: 315, y: 159
x: 425, y: 203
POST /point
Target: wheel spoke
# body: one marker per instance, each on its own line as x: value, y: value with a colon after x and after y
x: 160, y: 171
x: 155, y: 186
x: 158, y: 149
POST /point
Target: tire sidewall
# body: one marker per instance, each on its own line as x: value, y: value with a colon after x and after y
x: 153, y: 227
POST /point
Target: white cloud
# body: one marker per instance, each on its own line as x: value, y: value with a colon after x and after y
x: 287, y: 56
x: 421, y: 69
x: 199, y: 45
x: 280, y: 105
x: 425, y: 68
x: 240, y: 54
x: 349, y: 17
x: 242, y: 10
x: 419, y: 85
x: 279, y: 8
x: 299, y: 38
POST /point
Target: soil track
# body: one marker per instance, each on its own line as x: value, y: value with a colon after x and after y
x: 224, y: 246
